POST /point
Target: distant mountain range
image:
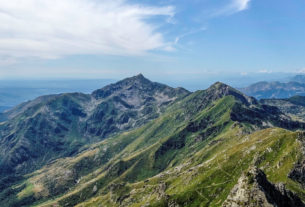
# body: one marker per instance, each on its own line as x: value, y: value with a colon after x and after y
x: 142, y: 143
x: 298, y: 78
x: 261, y: 90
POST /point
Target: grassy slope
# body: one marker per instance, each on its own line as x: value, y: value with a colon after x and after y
x: 143, y: 153
x: 207, y: 178
x: 172, y: 159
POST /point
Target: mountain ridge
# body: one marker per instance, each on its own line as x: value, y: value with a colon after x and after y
x: 276, y: 89
x: 191, y: 153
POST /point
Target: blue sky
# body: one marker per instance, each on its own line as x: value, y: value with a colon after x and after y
x: 173, y: 39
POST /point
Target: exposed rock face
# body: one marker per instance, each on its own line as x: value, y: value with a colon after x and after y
x: 129, y: 103
x: 253, y: 189
x: 298, y: 172
x: 161, y: 191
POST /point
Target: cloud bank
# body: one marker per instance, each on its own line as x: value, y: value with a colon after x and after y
x: 52, y: 29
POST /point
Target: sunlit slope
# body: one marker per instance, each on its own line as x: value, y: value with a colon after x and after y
x: 207, y: 177
x: 205, y: 124
x: 133, y: 156
x: 192, y: 155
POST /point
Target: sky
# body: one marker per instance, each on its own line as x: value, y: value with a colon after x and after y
x: 162, y: 39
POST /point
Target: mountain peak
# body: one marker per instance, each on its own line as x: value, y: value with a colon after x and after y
x: 138, y: 86
x: 137, y: 78
x: 219, y: 90
x: 140, y: 75
x: 219, y: 85
x: 137, y: 81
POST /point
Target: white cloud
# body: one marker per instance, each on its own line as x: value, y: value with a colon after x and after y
x: 233, y: 7
x: 51, y: 29
x: 178, y: 38
x: 240, y: 5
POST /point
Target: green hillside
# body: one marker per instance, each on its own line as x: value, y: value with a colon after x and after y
x: 195, y: 152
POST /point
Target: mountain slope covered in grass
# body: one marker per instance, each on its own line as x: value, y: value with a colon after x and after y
x: 199, y: 149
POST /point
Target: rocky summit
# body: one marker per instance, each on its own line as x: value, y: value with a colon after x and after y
x: 141, y: 143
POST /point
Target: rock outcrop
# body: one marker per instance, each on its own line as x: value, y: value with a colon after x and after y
x: 253, y: 189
